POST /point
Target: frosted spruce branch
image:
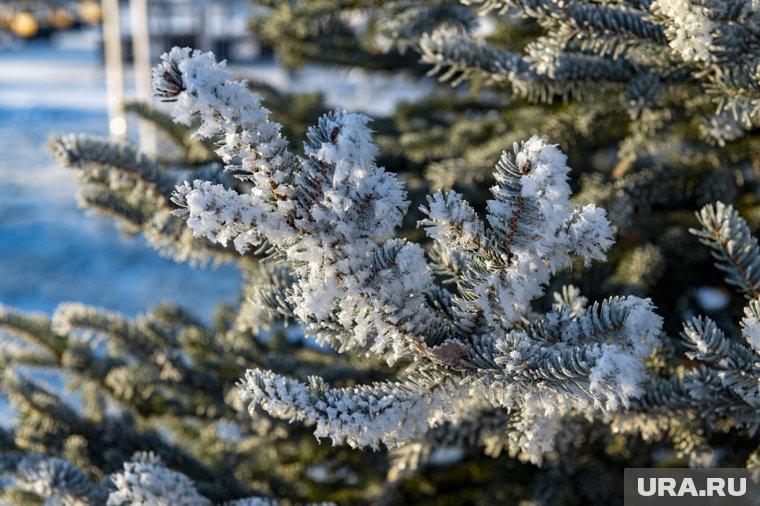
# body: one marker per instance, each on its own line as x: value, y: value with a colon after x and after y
x: 722, y: 390
x: 145, y: 481
x: 331, y: 215
x: 192, y: 150
x: 146, y: 366
x: 619, y: 18
x: 534, y: 231
x: 121, y: 182
x: 458, y: 56
x: 733, y: 246
x: 38, y: 406
x: 679, y: 44
x: 162, y: 365
x: 303, y: 206
x: 142, y: 480
x: 50, y: 478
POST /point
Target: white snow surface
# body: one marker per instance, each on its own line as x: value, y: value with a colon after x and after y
x: 50, y: 250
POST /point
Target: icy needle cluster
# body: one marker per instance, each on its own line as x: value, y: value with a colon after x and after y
x: 722, y: 388
x: 330, y: 217
x: 145, y: 481
x: 585, y: 47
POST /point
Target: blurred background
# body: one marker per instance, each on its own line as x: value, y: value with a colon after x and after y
x: 67, y: 67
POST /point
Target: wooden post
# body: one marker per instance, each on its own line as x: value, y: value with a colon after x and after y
x: 114, y: 68
x: 204, y: 28
x: 138, y: 15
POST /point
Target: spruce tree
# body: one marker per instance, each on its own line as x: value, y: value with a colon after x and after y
x: 436, y: 273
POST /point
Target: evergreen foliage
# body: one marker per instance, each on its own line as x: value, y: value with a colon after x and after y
x: 438, y: 311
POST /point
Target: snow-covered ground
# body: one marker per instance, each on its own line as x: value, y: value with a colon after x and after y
x: 50, y: 251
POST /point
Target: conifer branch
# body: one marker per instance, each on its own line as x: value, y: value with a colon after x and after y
x: 123, y: 183
x: 733, y: 246
x: 322, y: 215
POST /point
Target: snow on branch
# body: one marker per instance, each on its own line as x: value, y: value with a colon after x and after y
x: 723, y: 390
x: 56, y: 480
x: 331, y: 216
x: 226, y: 107
x: 534, y: 230
x: 325, y: 211
x: 359, y: 416
x: 145, y: 480
x: 751, y: 325
x: 120, y: 181
x: 690, y: 30
x: 588, y: 46
x: 734, y: 248
x: 593, y: 359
